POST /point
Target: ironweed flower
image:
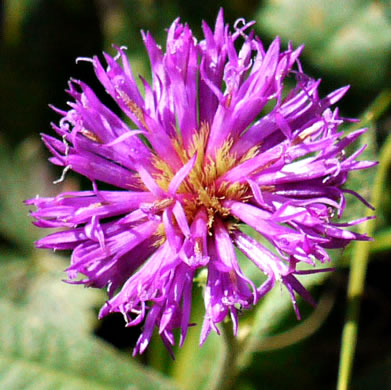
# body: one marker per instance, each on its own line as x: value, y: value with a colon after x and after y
x: 216, y: 141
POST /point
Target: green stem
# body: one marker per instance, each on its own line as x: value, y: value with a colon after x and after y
x: 357, y: 275
x: 227, y: 373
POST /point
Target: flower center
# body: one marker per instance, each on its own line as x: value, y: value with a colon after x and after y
x: 200, y: 188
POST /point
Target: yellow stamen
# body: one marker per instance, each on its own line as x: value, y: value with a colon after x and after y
x: 198, y: 247
x: 200, y: 184
x: 133, y: 107
x: 303, y: 135
x: 160, y: 205
x: 92, y: 136
x: 161, y: 234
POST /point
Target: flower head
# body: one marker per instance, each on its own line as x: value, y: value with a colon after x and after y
x: 215, y: 142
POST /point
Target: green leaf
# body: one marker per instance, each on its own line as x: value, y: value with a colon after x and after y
x: 37, y: 285
x: 349, y: 38
x: 15, y: 274
x: 24, y: 176
x: 66, y: 306
x: 37, y: 355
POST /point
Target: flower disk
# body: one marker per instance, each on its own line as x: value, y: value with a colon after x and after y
x: 216, y: 142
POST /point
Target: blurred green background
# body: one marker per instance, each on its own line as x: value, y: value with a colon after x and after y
x: 49, y: 335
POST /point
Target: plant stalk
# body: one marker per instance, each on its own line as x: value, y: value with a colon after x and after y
x: 357, y: 275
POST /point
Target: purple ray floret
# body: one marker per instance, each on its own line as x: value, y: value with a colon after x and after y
x: 215, y: 142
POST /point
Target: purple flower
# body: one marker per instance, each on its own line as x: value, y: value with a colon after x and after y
x: 216, y: 141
